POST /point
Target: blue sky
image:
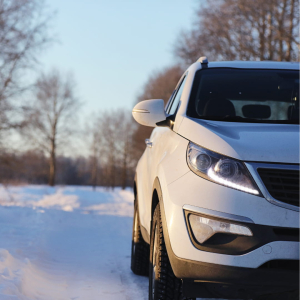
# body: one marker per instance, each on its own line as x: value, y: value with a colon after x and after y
x: 113, y: 46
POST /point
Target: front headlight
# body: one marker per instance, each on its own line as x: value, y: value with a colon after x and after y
x: 220, y: 169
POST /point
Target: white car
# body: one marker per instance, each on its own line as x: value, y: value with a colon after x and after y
x: 217, y: 188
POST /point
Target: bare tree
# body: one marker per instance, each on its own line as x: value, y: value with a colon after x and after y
x: 23, y: 167
x: 23, y: 33
x: 95, y: 149
x: 111, y: 148
x: 125, y: 146
x: 161, y: 84
x: 109, y: 124
x: 243, y: 30
x: 93, y: 139
x: 49, y: 120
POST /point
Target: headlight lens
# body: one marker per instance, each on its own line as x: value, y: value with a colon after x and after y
x: 220, y: 169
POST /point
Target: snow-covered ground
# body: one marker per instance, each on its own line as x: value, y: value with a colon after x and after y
x: 67, y: 243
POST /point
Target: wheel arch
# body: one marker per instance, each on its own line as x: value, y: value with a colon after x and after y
x: 134, y: 187
x: 157, y: 192
x: 155, y: 200
x: 145, y: 234
x: 156, y: 196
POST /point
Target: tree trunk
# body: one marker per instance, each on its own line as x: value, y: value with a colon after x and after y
x: 281, y: 33
x: 94, y: 172
x: 124, y: 168
x: 112, y: 172
x: 290, y: 38
x: 52, y: 163
x: 262, y: 37
x: 113, y: 183
x: 270, y: 35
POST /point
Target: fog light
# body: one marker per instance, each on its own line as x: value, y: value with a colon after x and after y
x: 204, y: 228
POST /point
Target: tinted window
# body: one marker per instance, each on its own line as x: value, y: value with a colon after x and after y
x: 169, y: 102
x: 245, y: 95
x: 175, y: 102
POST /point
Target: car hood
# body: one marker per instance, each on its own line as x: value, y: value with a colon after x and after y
x: 277, y: 143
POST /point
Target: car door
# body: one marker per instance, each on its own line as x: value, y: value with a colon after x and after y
x: 145, y: 187
x: 159, y: 142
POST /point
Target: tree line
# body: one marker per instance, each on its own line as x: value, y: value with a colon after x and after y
x: 47, y: 122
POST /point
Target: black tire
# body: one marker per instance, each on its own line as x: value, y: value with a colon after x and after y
x: 139, y: 248
x: 163, y: 284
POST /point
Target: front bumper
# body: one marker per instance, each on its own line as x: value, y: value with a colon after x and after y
x: 191, y: 189
x: 233, y: 244
x: 241, y: 283
x: 197, y: 271
x: 211, y: 280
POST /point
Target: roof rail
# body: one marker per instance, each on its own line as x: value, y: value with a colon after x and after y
x: 203, y: 60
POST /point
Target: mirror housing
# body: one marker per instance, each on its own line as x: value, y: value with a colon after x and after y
x: 149, y: 112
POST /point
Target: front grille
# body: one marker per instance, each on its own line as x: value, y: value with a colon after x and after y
x: 282, y: 185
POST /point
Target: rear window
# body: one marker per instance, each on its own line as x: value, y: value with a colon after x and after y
x: 239, y: 95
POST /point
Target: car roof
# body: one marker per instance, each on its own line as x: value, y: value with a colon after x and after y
x: 254, y: 65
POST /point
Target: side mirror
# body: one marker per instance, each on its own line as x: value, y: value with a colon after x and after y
x: 149, y: 112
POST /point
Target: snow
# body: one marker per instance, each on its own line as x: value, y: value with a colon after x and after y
x: 67, y: 243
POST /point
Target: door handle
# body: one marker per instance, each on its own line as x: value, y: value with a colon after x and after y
x: 148, y: 143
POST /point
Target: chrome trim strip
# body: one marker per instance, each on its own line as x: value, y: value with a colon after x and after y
x: 145, y: 111
x: 217, y: 214
x: 252, y: 167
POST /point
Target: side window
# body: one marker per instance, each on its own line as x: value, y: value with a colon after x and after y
x: 173, y: 107
x: 169, y: 102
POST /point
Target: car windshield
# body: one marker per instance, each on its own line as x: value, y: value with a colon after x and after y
x: 245, y: 95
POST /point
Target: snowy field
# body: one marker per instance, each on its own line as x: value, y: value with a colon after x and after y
x: 67, y: 243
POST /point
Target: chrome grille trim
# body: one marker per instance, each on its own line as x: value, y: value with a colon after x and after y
x: 252, y: 167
